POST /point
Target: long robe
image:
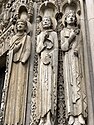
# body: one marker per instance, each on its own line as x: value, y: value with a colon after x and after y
x: 75, y: 94
x: 47, y: 75
x: 18, y: 81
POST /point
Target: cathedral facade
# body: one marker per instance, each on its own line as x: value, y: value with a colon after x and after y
x: 46, y: 62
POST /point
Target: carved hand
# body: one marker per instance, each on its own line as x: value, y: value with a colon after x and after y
x: 77, y: 31
x: 46, y: 35
x: 17, y: 47
x: 72, y: 36
x: 45, y: 45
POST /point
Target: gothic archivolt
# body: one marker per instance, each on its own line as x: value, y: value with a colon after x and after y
x: 58, y: 93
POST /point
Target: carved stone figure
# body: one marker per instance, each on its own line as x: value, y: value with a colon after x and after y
x: 71, y: 44
x: 47, y: 49
x: 20, y: 48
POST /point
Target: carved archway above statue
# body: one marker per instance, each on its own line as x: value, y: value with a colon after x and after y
x: 67, y: 6
x: 22, y: 9
x: 24, y: 13
x: 72, y: 4
x: 48, y: 9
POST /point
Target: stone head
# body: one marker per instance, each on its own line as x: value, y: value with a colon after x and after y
x: 21, y: 25
x: 70, y: 18
x: 47, y: 22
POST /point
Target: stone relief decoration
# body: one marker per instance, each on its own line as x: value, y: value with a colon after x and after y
x: 18, y: 68
x: 8, y: 17
x: 4, y: 40
x: 60, y: 84
x: 44, y: 100
x: 61, y: 120
x: 74, y: 81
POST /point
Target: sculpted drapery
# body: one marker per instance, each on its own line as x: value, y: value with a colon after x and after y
x: 71, y: 44
x: 20, y: 48
x: 47, y: 49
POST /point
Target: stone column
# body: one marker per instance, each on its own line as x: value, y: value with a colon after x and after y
x: 87, y: 21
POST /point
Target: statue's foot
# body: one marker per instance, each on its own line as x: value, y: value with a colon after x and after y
x: 81, y: 119
x: 71, y: 120
x: 48, y: 122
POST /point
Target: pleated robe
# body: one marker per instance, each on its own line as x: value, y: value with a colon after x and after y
x: 47, y: 76
x: 73, y: 71
x: 18, y: 82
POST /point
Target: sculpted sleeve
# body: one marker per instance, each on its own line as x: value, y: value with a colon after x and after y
x: 28, y: 49
x: 40, y: 45
x: 64, y: 43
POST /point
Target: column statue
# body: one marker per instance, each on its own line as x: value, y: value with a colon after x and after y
x: 71, y: 44
x: 20, y: 48
x: 47, y: 49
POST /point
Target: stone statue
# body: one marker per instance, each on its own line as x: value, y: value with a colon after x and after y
x: 47, y: 49
x: 71, y: 44
x: 20, y: 48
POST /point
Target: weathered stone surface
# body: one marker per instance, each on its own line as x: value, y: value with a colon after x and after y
x: 75, y: 93
x: 67, y: 102
x: 47, y: 48
x: 20, y: 48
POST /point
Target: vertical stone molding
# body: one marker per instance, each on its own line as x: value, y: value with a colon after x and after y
x: 90, y: 41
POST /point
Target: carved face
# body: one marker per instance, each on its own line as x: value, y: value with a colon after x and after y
x: 20, y: 26
x: 71, y: 18
x: 46, y: 22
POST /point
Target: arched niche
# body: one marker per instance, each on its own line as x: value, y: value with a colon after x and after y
x: 73, y: 5
x: 22, y: 12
